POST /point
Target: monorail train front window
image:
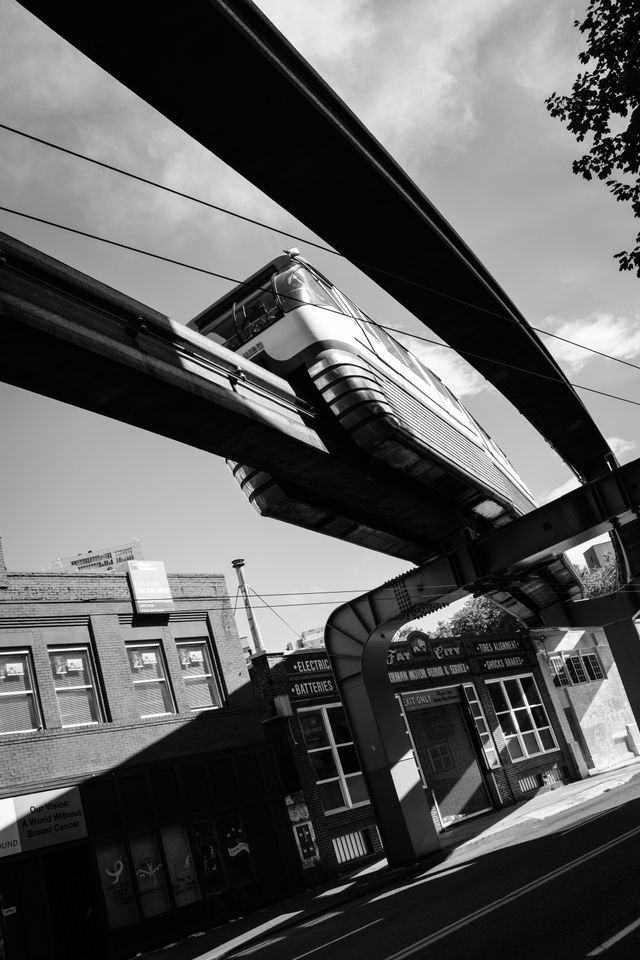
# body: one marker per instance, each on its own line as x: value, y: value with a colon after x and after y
x: 246, y: 318
x: 297, y: 286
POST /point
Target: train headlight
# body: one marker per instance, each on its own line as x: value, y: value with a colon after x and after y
x: 488, y: 509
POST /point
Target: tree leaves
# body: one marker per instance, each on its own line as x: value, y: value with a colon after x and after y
x: 603, y: 96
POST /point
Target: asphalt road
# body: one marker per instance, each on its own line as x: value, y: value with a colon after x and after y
x: 562, y: 888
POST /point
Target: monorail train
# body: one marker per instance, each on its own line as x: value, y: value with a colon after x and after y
x: 290, y: 319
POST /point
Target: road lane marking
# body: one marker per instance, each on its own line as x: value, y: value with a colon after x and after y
x: 321, y: 919
x: 416, y: 883
x: 510, y: 897
x: 258, y: 946
x: 587, y: 820
x: 337, y: 939
x: 620, y: 935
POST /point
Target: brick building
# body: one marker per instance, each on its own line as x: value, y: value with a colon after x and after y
x: 139, y: 797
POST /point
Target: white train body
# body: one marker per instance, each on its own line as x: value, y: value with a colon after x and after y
x: 292, y: 320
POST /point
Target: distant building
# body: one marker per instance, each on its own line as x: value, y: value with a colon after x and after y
x: 308, y: 640
x: 104, y: 561
x: 599, y: 555
x: 590, y: 700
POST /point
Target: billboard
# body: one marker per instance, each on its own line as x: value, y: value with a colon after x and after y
x: 149, y: 586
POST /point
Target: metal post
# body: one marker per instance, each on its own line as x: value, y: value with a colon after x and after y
x: 253, y: 624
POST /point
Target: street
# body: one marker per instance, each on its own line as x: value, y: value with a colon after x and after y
x: 566, y: 887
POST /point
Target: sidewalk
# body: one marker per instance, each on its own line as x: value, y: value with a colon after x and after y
x: 217, y: 943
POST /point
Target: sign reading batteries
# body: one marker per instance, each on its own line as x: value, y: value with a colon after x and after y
x: 40, y: 820
x: 150, y: 587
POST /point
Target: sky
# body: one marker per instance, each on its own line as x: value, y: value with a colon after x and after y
x: 456, y: 93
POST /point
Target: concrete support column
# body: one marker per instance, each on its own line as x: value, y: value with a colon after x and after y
x: 357, y: 638
x: 624, y: 641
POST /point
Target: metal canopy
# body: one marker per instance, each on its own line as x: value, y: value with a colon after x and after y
x: 225, y: 75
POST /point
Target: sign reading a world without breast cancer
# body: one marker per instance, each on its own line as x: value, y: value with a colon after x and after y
x: 44, y: 819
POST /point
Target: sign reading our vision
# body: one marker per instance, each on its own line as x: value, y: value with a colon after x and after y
x: 36, y: 820
x: 149, y: 586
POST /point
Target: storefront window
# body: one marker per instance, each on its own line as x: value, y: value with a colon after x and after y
x: 330, y: 745
x: 182, y: 873
x: 149, y: 675
x: 18, y: 704
x: 149, y: 874
x: 198, y: 674
x: 482, y: 728
x: 75, y: 686
x: 236, y: 850
x: 522, y: 717
x: 117, y: 888
x: 206, y: 853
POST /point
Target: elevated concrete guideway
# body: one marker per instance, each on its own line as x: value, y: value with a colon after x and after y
x: 223, y: 73
x: 67, y: 336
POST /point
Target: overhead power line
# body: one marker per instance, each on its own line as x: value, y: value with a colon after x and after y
x: 221, y: 276
x: 292, y: 236
x: 165, y: 188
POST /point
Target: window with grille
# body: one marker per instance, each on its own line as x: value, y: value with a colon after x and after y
x: 330, y: 746
x: 149, y: 675
x: 74, y: 679
x: 196, y: 663
x: 440, y: 757
x: 522, y: 717
x: 579, y: 666
x: 19, y: 711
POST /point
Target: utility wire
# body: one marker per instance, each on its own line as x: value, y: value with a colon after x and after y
x: 165, y: 188
x: 292, y: 236
x: 272, y: 608
x: 220, y: 276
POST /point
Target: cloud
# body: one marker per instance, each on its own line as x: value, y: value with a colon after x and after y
x: 453, y: 370
x: 571, y: 484
x: 617, y: 336
x: 426, y: 87
x: 622, y: 448
x: 52, y: 91
x: 548, y: 59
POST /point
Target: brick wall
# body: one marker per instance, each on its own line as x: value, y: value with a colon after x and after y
x: 41, y: 610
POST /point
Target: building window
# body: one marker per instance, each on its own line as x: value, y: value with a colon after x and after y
x: 149, y: 675
x: 18, y: 703
x: 570, y: 669
x: 330, y: 746
x: 482, y: 728
x: 75, y: 685
x: 440, y: 757
x: 522, y: 717
x: 203, y: 692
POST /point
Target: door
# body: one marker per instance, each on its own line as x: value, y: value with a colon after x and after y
x: 12, y: 942
x: 449, y: 761
x: 76, y: 925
